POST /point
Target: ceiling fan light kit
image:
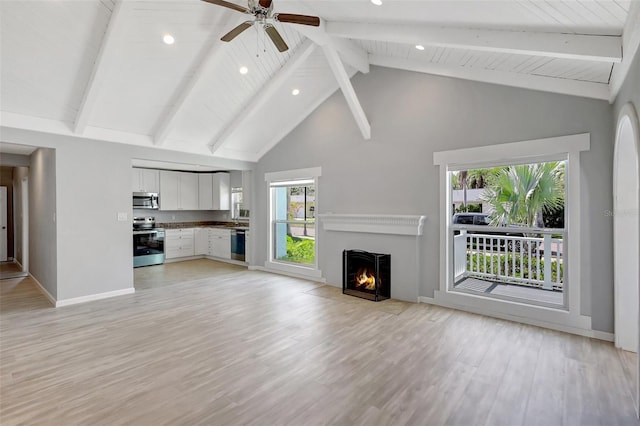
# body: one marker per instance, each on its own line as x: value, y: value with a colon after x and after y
x: 262, y: 11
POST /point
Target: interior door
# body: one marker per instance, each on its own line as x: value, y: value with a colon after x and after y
x: 3, y: 224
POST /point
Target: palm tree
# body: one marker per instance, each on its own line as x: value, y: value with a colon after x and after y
x: 478, y: 178
x: 462, y: 179
x: 522, y: 194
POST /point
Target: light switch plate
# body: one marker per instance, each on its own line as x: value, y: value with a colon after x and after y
x: 122, y: 217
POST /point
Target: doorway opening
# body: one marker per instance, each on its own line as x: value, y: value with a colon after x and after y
x: 14, y: 223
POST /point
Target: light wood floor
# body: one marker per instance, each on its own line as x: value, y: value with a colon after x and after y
x: 11, y: 270
x: 178, y: 272
x: 254, y: 348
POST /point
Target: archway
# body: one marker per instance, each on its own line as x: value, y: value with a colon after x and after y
x: 626, y: 232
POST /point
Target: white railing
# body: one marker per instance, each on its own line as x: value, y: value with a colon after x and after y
x: 535, y: 261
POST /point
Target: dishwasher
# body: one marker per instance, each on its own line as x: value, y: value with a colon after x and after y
x: 238, y: 244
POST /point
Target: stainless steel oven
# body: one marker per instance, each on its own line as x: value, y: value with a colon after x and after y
x: 148, y: 242
x: 148, y: 247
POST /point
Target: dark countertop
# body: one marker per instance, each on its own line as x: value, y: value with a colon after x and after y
x: 210, y: 224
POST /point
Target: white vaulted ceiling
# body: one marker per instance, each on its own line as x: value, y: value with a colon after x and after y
x: 99, y: 68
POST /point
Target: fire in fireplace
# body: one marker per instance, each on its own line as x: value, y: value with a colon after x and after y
x: 366, y: 275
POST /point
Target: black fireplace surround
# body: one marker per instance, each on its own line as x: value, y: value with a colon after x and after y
x: 366, y: 275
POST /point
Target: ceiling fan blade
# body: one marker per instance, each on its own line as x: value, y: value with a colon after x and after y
x: 291, y: 18
x: 237, y: 31
x: 275, y: 37
x: 229, y: 5
x: 265, y: 3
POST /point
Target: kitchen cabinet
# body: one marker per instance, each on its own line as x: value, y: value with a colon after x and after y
x: 178, y: 190
x: 188, y: 194
x: 205, y: 191
x: 214, y: 191
x: 221, y: 191
x: 220, y: 243
x: 201, y: 241
x: 179, y: 243
x: 145, y: 180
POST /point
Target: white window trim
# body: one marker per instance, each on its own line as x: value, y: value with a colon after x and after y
x: 570, y: 320
x: 312, y: 272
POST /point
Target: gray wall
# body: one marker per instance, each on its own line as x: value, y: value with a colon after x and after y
x: 43, y: 240
x: 87, y: 183
x: 412, y: 116
x: 630, y: 91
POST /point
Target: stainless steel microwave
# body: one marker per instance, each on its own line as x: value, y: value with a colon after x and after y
x: 145, y: 200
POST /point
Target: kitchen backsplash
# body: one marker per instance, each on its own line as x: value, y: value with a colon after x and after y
x: 184, y: 216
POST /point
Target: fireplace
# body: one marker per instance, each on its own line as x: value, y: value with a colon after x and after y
x: 366, y: 275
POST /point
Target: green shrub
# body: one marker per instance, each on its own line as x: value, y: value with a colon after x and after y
x: 300, y: 250
x: 504, y: 264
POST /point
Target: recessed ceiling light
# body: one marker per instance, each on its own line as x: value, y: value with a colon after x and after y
x: 419, y: 47
x: 377, y: 2
x: 168, y: 39
x: 295, y: 92
x: 244, y: 70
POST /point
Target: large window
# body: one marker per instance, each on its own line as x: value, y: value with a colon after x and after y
x: 294, y: 227
x: 502, y: 263
x: 292, y: 239
x: 511, y: 245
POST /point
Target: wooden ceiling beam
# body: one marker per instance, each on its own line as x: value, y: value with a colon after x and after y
x: 207, y: 62
x: 294, y: 122
x: 534, y: 82
x: 344, y: 81
x: 266, y: 93
x: 101, y: 66
x: 631, y: 45
x: 556, y: 45
x: 349, y: 51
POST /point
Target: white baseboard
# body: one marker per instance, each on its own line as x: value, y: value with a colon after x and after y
x: 203, y: 256
x: 43, y: 290
x: 92, y: 297
x: 601, y: 335
x: 230, y: 261
x: 287, y: 274
x: 182, y: 259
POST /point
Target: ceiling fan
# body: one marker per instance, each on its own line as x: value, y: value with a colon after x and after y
x: 262, y: 11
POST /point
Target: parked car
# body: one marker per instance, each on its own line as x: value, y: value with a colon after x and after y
x: 483, y: 219
x: 470, y: 219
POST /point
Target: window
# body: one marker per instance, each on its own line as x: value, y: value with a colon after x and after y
x: 566, y: 316
x: 293, y: 202
x: 515, y: 249
x: 237, y: 205
x: 294, y: 228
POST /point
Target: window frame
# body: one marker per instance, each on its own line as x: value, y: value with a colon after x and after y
x: 453, y: 228
x: 531, y: 151
x: 275, y: 179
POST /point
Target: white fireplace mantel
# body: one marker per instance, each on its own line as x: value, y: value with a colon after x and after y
x: 373, y: 223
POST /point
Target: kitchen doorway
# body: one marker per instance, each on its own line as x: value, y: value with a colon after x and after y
x: 14, y: 222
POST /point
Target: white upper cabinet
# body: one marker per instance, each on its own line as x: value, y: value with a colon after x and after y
x: 221, y: 191
x: 205, y: 189
x: 188, y: 191
x: 145, y: 180
x: 169, y: 184
x: 178, y: 190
